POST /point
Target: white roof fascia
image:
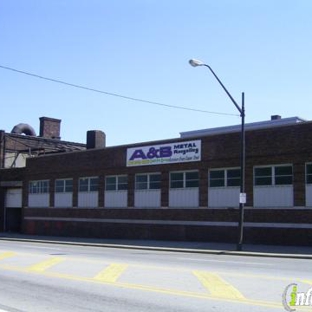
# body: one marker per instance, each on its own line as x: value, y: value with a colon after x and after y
x: 248, y: 126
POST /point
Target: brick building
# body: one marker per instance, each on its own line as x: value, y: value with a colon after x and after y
x: 185, y: 188
x: 22, y: 143
x: 15, y: 148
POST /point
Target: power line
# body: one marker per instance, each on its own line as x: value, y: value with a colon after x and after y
x: 113, y: 94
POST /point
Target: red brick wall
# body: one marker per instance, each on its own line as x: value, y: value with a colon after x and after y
x: 282, y: 145
x: 261, y: 225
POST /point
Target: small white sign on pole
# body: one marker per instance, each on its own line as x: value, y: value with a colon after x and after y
x: 242, y: 198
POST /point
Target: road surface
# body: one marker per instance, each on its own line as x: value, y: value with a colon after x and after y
x: 54, y: 277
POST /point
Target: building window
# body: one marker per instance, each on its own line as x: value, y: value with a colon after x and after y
x: 116, y: 183
x: 309, y: 173
x: 263, y: 176
x: 63, y: 185
x: 283, y: 175
x: 177, y: 180
x: 224, y: 177
x: 184, y: 179
x: 274, y: 175
x: 90, y: 184
x: 39, y: 187
x: 150, y: 181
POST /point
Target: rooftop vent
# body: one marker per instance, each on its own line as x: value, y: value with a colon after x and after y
x: 276, y: 117
x: 96, y: 139
x: 23, y: 128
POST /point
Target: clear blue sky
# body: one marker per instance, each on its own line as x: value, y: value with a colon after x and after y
x: 140, y: 49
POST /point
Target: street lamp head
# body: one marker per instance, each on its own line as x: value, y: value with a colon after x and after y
x: 195, y: 62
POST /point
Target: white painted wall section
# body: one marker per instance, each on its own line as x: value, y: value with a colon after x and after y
x: 147, y: 198
x: 38, y: 200
x: 63, y: 200
x: 273, y: 196
x: 184, y: 197
x: 221, y: 197
x: 88, y: 199
x: 116, y: 199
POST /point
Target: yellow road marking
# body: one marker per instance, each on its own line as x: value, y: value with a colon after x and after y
x: 167, y: 291
x: 309, y: 282
x: 7, y: 254
x: 252, y: 302
x: 44, y: 265
x: 217, y: 286
x: 111, y: 273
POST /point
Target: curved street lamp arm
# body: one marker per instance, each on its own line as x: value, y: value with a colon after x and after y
x: 240, y: 109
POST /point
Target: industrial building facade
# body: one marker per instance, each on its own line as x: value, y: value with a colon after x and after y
x: 182, y: 189
x: 15, y: 148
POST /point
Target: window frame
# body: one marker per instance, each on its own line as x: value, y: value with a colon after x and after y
x: 225, y: 177
x: 118, y: 184
x: 42, y: 187
x: 280, y: 176
x: 89, y: 186
x: 149, y: 183
x: 65, y: 187
x: 276, y: 179
x: 183, y: 182
x: 264, y: 177
x: 308, y: 176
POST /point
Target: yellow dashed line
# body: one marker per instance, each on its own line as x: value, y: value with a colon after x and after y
x: 7, y: 254
x: 44, y: 265
x: 174, y: 292
x: 217, y: 286
x: 111, y: 273
x: 309, y: 282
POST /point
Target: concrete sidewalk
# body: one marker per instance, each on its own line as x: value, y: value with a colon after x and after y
x: 298, y: 252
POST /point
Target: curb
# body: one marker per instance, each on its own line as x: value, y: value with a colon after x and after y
x: 164, y: 249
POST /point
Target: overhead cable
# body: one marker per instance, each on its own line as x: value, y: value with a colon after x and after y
x: 113, y: 94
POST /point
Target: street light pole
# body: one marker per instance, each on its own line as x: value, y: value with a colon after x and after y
x: 242, y: 195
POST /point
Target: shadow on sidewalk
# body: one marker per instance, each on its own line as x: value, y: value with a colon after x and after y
x: 203, y: 247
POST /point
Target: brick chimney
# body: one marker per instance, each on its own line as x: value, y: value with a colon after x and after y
x: 50, y: 128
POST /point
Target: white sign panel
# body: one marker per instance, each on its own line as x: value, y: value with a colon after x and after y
x: 167, y: 153
x: 242, y: 198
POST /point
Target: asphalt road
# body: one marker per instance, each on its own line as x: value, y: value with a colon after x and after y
x: 51, y: 277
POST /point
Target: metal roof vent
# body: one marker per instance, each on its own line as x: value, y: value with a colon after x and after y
x: 276, y: 117
x: 23, y: 128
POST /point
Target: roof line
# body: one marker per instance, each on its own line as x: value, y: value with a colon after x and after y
x: 249, y: 126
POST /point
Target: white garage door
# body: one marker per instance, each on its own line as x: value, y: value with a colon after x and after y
x: 13, y: 198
